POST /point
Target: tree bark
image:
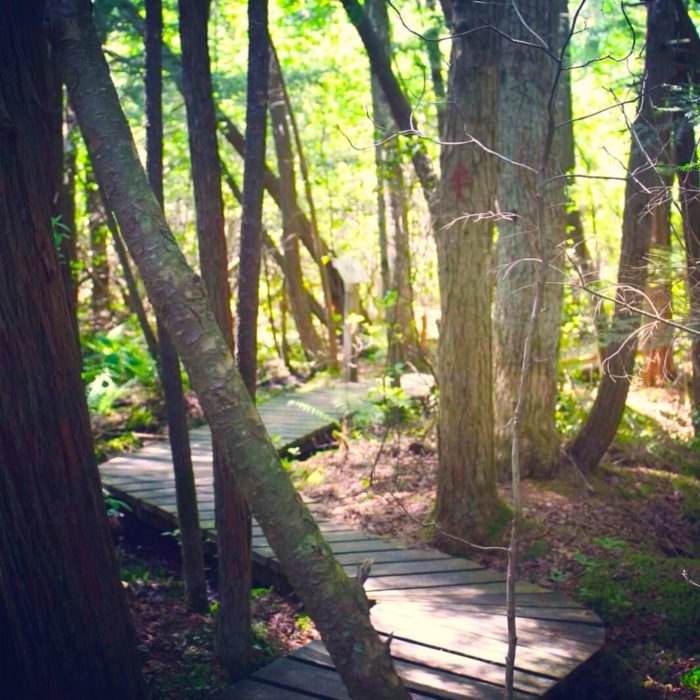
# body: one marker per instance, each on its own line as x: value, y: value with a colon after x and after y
x: 526, y: 117
x: 232, y: 518
x: 324, y: 267
x: 402, y: 338
x: 644, y: 192
x: 251, y: 221
x: 338, y: 605
x: 466, y: 489
x: 689, y: 185
x: 99, y: 261
x: 316, y: 246
x: 466, y: 497
x: 656, y: 342
x: 191, y: 545
x: 309, y: 338
x: 66, y: 630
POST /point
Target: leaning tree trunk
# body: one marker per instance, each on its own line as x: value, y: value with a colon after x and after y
x: 66, y: 631
x: 338, y: 605
x: 527, y: 100
x: 466, y: 489
x: 317, y: 247
x: 233, y: 643
x: 191, y: 544
x: 645, y: 191
x: 310, y: 341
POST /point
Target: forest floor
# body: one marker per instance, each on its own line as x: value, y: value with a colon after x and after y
x: 619, y: 541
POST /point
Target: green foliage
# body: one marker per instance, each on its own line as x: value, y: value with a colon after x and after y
x: 114, y: 363
x: 114, y: 506
x: 691, y: 679
x: 635, y: 584
x: 390, y: 407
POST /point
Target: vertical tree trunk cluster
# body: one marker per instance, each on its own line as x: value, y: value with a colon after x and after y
x: 191, y: 545
x: 296, y: 294
x: 338, y: 605
x: 232, y: 518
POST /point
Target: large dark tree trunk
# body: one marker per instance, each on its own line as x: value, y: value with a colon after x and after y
x: 298, y: 300
x: 251, y: 220
x: 191, y: 546
x: 646, y: 190
x: 338, y: 605
x: 526, y: 118
x: 466, y: 490
x: 66, y: 631
x: 232, y: 517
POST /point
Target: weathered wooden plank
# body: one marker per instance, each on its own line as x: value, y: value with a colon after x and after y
x: 530, y: 595
x: 434, y: 580
x: 392, y: 555
x: 422, y: 566
x: 536, y: 653
x: 252, y: 689
x: 420, y: 671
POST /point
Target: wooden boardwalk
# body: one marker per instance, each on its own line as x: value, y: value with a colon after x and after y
x: 447, y: 615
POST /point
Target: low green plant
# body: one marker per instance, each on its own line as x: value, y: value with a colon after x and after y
x: 691, y: 678
x: 634, y: 584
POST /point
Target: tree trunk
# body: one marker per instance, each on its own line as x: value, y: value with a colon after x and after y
x: 232, y: 518
x: 316, y: 246
x: 65, y: 625
x: 656, y: 341
x: 432, y: 47
x: 395, y: 253
x: 191, y: 545
x: 338, y: 605
x: 689, y: 185
x: 645, y: 191
x: 527, y: 102
x: 309, y: 338
x: 99, y: 261
x: 466, y: 489
x: 466, y: 498
x: 251, y: 220
x: 324, y: 268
